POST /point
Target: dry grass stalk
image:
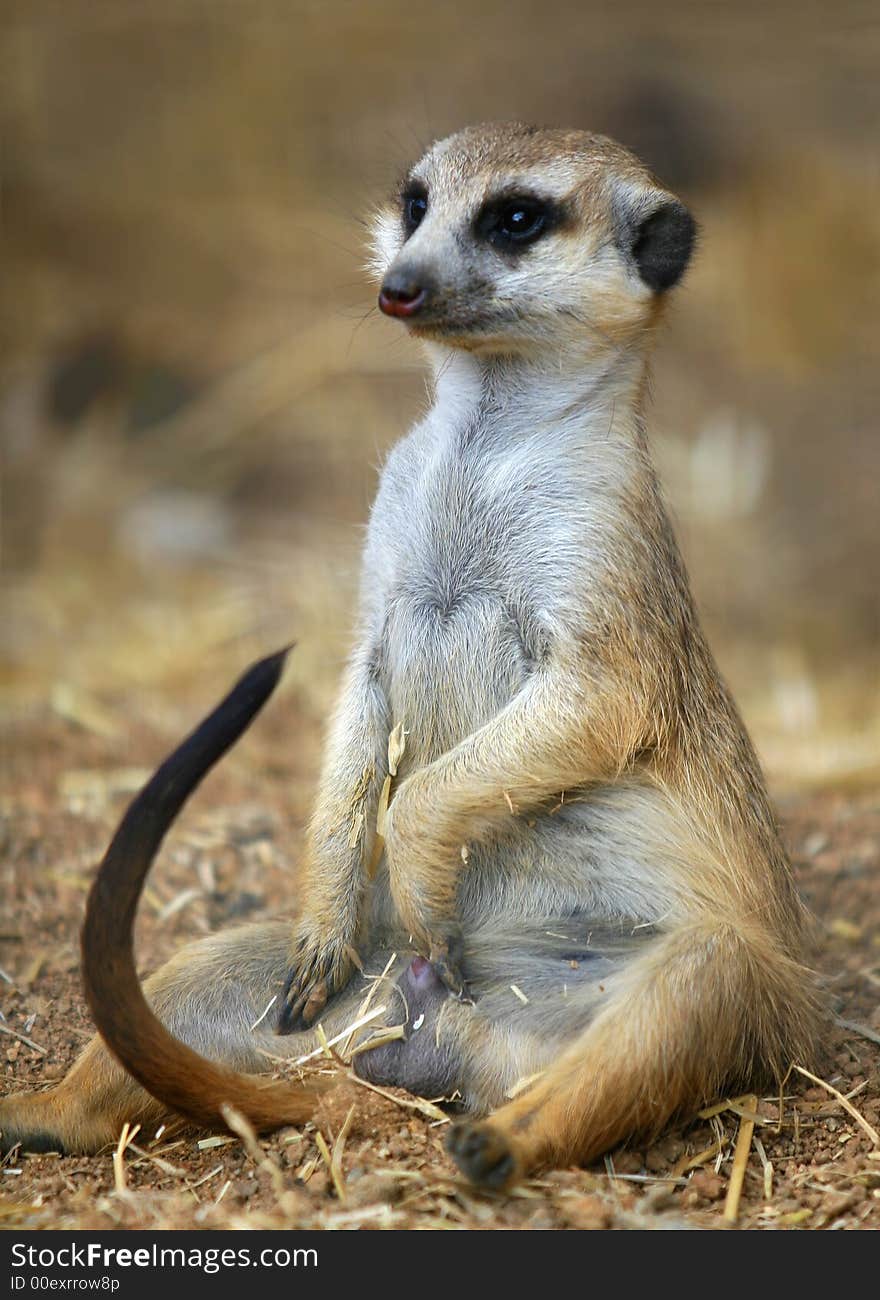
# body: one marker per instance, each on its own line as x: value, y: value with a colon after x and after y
x: 343, y: 1033
x: 847, y: 1105
x: 260, y: 1018
x: 357, y: 825
x: 740, y: 1160
x: 323, y: 1040
x: 365, y: 1005
x: 206, y: 1178
x: 396, y: 749
x: 354, y: 958
x: 418, y: 1104
x: 170, y: 1146
x: 521, y: 1084
x: 344, y: 1218
x: 321, y: 1144
x: 381, y: 814
x: 391, y: 1035
x: 338, y: 1151
x: 118, y: 1155
x: 164, y: 1165
x: 729, y: 1103
x: 307, y: 1168
x: 767, y: 1167
x: 23, y: 1038
x: 863, y: 1031
x: 33, y: 969
x: 178, y: 903
x: 686, y: 1163
x: 379, y: 841
x: 651, y: 1179
x: 745, y: 1112
x: 74, y: 705
x: 244, y: 1130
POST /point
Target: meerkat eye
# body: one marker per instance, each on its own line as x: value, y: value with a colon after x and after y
x: 513, y: 223
x: 415, y: 205
x: 521, y: 222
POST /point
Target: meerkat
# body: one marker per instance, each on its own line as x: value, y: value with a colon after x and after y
x: 579, y: 868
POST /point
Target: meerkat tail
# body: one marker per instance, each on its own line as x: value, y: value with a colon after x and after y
x: 172, y: 1072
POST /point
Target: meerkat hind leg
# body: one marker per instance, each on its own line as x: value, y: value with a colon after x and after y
x: 213, y: 995
x: 709, y: 1006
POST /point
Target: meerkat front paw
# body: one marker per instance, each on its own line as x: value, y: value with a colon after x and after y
x: 424, y: 896
x: 444, y: 954
x: 319, y: 969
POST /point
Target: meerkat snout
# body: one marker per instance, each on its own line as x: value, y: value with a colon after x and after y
x: 404, y: 292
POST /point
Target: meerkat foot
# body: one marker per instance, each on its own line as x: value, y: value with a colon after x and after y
x: 25, y: 1124
x: 79, y: 1119
x: 484, y: 1155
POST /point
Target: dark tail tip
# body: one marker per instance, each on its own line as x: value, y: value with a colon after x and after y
x: 263, y: 676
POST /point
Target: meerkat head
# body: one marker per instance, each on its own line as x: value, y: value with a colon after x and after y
x: 506, y: 238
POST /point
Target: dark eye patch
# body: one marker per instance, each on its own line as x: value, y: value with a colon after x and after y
x: 513, y: 222
x: 414, y: 205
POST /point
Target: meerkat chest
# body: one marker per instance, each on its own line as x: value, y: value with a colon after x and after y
x: 488, y: 521
x: 468, y: 566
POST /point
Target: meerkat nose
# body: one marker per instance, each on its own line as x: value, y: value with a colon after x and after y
x: 402, y: 294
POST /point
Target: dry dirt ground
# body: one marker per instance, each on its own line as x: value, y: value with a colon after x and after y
x: 812, y: 1160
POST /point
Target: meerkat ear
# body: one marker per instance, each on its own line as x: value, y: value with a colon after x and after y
x: 659, y: 237
x: 663, y: 245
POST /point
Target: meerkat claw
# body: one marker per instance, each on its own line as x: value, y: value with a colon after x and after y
x: 301, y: 1003
x: 445, y: 956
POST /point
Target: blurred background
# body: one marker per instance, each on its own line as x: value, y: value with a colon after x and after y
x: 196, y: 392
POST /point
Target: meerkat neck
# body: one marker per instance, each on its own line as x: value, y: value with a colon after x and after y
x: 551, y: 387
